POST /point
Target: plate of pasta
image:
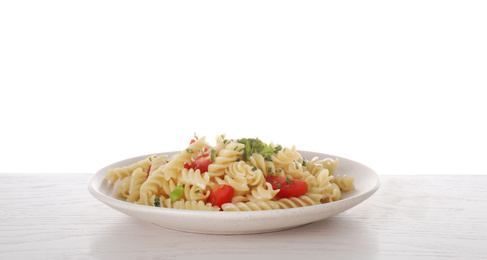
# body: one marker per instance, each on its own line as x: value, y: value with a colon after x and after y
x: 237, y: 186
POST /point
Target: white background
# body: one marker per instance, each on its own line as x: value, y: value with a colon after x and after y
x: 396, y: 85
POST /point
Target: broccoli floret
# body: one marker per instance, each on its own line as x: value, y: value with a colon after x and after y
x: 255, y: 145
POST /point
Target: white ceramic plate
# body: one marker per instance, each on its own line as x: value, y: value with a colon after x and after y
x: 219, y: 222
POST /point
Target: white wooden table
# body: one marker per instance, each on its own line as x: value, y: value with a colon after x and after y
x: 52, y: 216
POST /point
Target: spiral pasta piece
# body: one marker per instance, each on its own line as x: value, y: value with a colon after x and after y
x: 191, y: 205
x: 155, y: 186
x: 138, y: 177
x: 302, y: 201
x: 313, y: 166
x: 238, y: 183
x: 240, y: 169
x: 285, y: 157
x: 330, y: 164
x: 221, y: 143
x: 294, y: 170
x: 309, y: 179
x: 173, y: 168
x: 190, y: 176
x: 123, y: 187
x: 322, y: 183
x: 151, y: 186
x: 251, y: 206
x: 167, y: 187
x: 267, y: 167
x: 239, y: 198
x: 226, y: 156
x: 332, y: 193
x: 344, y: 183
x: 157, y: 161
x: 262, y: 193
x: 195, y: 193
x: 119, y: 173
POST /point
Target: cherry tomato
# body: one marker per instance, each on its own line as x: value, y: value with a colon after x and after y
x: 200, y: 163
x: 288, y: 187
x: 193, y: 140
x: 220, y: 195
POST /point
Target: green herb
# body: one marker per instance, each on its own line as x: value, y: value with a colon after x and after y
x: 279, y: 170
x: 213, y: 155
x: 269, y: 169
x: 279, y: 185
x: 177, y: 193
x: 272, y: 174
x: 288, y: 181
x: 268, y: 158
x: 157, y: 202
x: 304, y: 162
x: 197, y: 191
x: 254, y: 168
x: 189, y: 150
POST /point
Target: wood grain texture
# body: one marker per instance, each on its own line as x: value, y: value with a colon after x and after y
x: 427, y: 217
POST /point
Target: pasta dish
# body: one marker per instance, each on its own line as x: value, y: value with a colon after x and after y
x: 233, y: 175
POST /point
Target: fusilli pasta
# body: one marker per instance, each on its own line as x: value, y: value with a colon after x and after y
x: 255, y: 175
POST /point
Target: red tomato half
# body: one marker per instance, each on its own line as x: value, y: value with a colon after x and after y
x: 193, y: 140
x: 200, y: 163
x: 220, y: 195
x: 288, y: 187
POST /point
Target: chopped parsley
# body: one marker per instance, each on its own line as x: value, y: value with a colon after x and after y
x: 157, y: 202
x: 288, y: 181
